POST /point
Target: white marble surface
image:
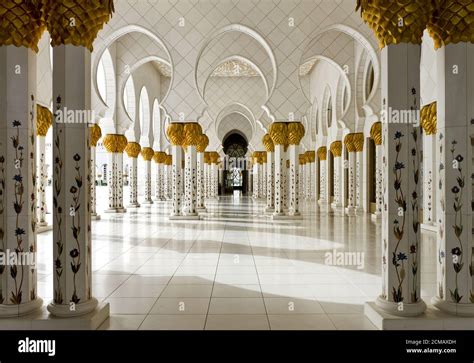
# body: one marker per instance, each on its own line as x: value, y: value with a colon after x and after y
x: 234, y: 270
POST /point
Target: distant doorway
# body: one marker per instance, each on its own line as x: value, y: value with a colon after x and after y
x: 235, y: 168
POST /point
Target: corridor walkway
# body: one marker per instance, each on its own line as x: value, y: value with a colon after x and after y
x: 235, y: 270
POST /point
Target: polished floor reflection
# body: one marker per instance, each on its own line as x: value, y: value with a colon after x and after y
x: 237, y: 269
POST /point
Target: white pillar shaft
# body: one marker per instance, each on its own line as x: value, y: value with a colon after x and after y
x: 18, y: 281
x: 429, y: 180
x: 402, y: 183
x: 379, y: 179
x: 200, y: 181
x: 270, y: 181
x: 337, y: 182
x: 352, y: 180
x: 115, y: 181
x: 358, y: 181
x: 294, y: 180
x: 72, y: 269
x: 455, y: 110
x: 280, y: 161
x: 323, y: 195
x: 176, y: 179
x: 42, y: 180
x: 190, y: 181
x: 133, y: 175
x: 148, y: 188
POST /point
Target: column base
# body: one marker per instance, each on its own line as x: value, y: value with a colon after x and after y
x: 11, y: 311
x: 359, y: 211
x: 350, y: 211
x: 147, y: 202
x: 294, y: 216
x: 338, y: 210
x: 270, y: 210
x: 115, y: 210
x: 42, y: 320
x: 376, y: 216
x: 392, y: 308
x: 44, y: 228
x: 431, y: 319
x: 429, y: 227
x: 64, y: 310
x: 453, y: 308
x: 95, y: 217
x: 133, y: 205
x: 279, y: 216
x: 185, y: 218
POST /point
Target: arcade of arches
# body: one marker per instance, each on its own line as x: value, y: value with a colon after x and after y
x: 221, y: 164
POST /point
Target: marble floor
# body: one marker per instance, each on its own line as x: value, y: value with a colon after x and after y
x: 236, y: 269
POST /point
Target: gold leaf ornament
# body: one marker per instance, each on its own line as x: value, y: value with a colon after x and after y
x: 44, y: 120
x: 175, y: 133
x: 115, y: 143
x: 295, y: 133
x: 279, y: 133
x: 133, y: 149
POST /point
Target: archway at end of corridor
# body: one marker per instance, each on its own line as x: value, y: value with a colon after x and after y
x: 234, y: 172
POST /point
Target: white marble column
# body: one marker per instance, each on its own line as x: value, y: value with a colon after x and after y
x: 280, y: 161
x: 115, y: 145
x: 18, y: 281
x: 430, y: 174
x: 200, y: 182
x: 190, y: 181
x: 255, y: 178
x: 177, y: 153
x: 323, y: 179
x: 279, y: 135
x: 309, y: 177
x: 94, y: 215
x: 455, y: 82
x: 338, y: 204
x: 293, y: 154
x: 358, y: 142
x: 159, y: 159
x: 376, y: 135
x: 72, y: 265
x: 147, y: 154
x: 133, y: 150
x: 42, y: 180
x: 270, y: 180
x: 401, y: 264
x: 351, y: 173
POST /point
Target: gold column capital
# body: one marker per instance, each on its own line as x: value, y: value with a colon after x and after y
x: 428, y: 116
x: 76, y: 22
x: 452, y: 22
x: 22, y: 23
x: 268, y: 143
x: 159, y: 157
x: 295, y: 133
x: 358, y: 141
x: 322, y: 153
x: 336, y: 149
x: 133, y: 149
x: 349, y: 142
x: 147, y: 153
x: 395, y: 22
x: 115, y: 143
x: 169, y: 160
x: 310, y: 156
x: 44, y: 120
x: 203, y: 143
x: 192, y: 132
x: 95, y: 134
x: 175, y: 133
x: 279, y: 133
x: 302, y: 159
x: 376, y: 133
